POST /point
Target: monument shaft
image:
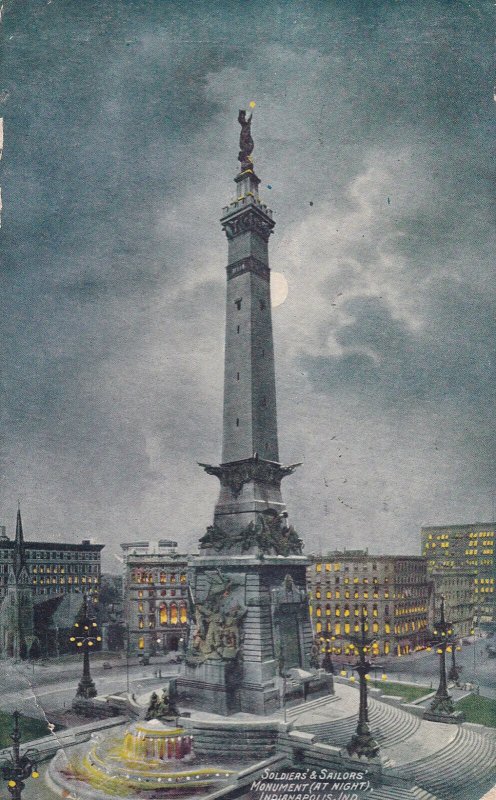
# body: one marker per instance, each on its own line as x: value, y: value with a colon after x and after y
x: 249, y: 581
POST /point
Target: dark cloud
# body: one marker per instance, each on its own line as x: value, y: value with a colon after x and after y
x: 120, y: 148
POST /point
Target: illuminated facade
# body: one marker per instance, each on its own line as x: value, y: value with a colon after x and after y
x: 392, y: 592
x: 156, y: 604
x: 457, y: 588
x: 462, y: 548
x: 55, y: 568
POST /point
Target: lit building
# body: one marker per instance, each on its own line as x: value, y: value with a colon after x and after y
x: 457, y: 587
x: 156, y: 601
x: 462, y: 548
x: 54, y: 568
x: 392, y: 592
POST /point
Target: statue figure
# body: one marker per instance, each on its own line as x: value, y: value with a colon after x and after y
x: 246, y: 143
x: 167, y: 710
x: 153, y: 708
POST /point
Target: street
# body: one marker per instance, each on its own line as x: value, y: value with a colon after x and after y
x: 36, y: 693
x: 423, y: 667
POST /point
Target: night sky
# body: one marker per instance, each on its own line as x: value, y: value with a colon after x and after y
x: 373, y: 129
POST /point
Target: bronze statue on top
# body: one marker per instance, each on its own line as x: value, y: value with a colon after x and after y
x: 246, y: 143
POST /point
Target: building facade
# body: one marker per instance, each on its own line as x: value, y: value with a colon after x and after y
x: 457, y: 588
x: 55, y: 568
x: 392, y: 592
x: 465, y: 548
x: 155, y: 597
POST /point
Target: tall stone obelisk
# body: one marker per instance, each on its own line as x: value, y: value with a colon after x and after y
x: 249, y: 584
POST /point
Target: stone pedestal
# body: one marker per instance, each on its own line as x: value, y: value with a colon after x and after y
x: 235, y: 667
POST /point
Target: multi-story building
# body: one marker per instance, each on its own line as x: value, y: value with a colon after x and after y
x: 55, y: 568
x: 392, y: 592
x: 156, y: 600
x: 457, y: 587
x: 465, y: 547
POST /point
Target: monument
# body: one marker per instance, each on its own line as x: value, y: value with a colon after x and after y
x: 249, y: 585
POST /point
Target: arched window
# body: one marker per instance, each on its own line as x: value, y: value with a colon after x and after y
x: 162, y: 577
x: 337, y: 611
x: 141, y: 643
x: 346, y: 627
x: 163, y: 614
x: 346, y: 610
x: 375, y: 627
x: 182, y: 578
x: 318, y: 611
x: 375, y: 612
x: 328, y: 610
x: 173, y: 578
x: 337, y: 628
x: 183, y: 614
x: 141, y: 623
x: 318, y: 627
x: 174, y: 618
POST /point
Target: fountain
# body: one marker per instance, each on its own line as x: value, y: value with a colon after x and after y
x: 153, y: 758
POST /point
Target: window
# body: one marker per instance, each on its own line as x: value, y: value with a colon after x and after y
x: 183, y: 614
x: 238, y: 302
x: 237, y: 376
x: 182, y: 578
x: 141, y: 643
x: 163, y: 614
x: 237, y: 422
x: 174, y: 618
x: 237, y: 329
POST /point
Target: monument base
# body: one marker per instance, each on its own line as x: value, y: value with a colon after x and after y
x: 216, y: 686
x: 252, y: 626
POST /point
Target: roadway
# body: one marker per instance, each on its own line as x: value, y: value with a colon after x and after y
x: 40, y: 691
x: 423, y: 667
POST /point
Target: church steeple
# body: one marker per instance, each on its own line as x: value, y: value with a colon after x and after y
x: 18, y: 555
x: 250, y: 473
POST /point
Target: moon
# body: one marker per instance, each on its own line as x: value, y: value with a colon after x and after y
x: 278, y: 289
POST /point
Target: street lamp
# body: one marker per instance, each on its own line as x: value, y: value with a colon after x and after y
x: 362, y: 742
x: 19, y: 767
x: 85, y: 637
x: 442, y: 702
x: 454, y: 670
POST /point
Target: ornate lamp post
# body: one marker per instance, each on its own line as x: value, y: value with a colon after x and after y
x: 362, y: 742
x: 85, y: 637
x: 327, y: 664
x: 20, y: 767
x: 442, y: 703
x: 454, y: 670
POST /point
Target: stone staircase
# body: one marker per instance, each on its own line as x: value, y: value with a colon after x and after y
x: 462, y: 770
x: 295, y: 711
x: 387, y: 723
x: 399, y: 793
